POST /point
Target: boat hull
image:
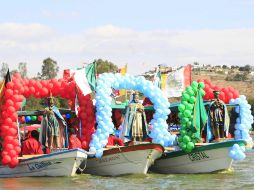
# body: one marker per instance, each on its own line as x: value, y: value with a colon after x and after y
x: 134, y: 159
x: 63, y: 163
x: 204, y: 159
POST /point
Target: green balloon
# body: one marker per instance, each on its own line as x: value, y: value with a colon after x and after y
x: 188, y: 124
x: 33, y: 118
x: 181, y: 107
x: 185, y: 103
x: 189, y: 106
x: 190, y: 91
x: 201, y: 85
x: 183, y: 127
x: 192, y: 99
x: 184, y: 120
x: 189, y: 133
x: 187, y: 113
x: 186, y: 139
x: 180, y: 115
x: 190, y: 145
x: 183, y: 132
x: 194, y: 84
x: 185, y: 96
x: 183, y: 145
x: 180, y: 139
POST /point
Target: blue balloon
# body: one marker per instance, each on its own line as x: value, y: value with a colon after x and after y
x: 27, y: 119
x: 68, y: 116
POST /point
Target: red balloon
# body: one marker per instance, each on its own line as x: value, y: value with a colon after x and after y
x: 44, y: 91
x: 9, y: 102
x: 12, y: 132
x: 15, y: 142
x: 8, y: 121
x: 4, y: 153
x: 10, y: 85
x: 18, y: 105
x: 14, y: 116
x: 8, y: 139
x: 15, y: 98
x: 40, y: 117
x: 17, y: 149
x: 8, y: 146
x: 8, y: 93
x: 12, y: 153
x: 22, y: 119
x: 13, y: 163
x: 4, y: 128
x: 6, y: 159
x: 32, y: 90
x: 10, y: 110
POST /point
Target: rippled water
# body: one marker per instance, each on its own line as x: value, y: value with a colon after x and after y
x: 241, y: 177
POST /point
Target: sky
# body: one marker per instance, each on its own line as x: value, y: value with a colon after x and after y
x: 140, y: 33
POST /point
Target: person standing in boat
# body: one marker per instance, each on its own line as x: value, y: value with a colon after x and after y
x: 219, y: 119
x: 53, y: 127
x: 135, y: 127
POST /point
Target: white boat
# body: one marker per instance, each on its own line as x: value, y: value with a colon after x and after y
x: 135, y: 159
x: 202, y: 159
x: 63, y: 163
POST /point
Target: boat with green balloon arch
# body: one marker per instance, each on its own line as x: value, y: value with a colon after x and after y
x: 203, y: 155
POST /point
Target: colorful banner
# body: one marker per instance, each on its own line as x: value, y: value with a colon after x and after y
x: 174, y: 83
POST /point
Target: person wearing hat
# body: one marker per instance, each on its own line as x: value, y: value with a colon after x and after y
x: 219, y: 119
x: 52, y: 126
x: 135, y: 126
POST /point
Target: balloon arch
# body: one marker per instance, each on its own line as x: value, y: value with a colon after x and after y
x: 20, y: 88
x: 106, y: 82
x: 228, y: 95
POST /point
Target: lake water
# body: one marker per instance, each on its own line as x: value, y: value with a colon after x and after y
x: 240, y: 177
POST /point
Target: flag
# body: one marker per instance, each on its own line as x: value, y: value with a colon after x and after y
x: 85, y: 77
x: 199, y: 116
x: 177, y: 81
x: 123, y: 71
x: 7, y: 79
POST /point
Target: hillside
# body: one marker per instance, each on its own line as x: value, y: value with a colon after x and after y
x: 244, y: 88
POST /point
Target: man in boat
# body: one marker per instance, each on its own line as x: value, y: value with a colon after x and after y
x: 74, y: 141
x: 135, y: 127
x: 53, y: 127
x: 113, y: 140
x: 32, y: 145
x: 219, y: 119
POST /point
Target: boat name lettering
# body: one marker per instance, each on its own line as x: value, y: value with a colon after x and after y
x: 198, y: 156
x: 38, y: 165
x: 109, y: 159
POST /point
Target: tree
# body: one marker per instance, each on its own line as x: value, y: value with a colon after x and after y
x: 246, y: 68
x: 49, y: 69
x: 4, y: 69
x: 105, y: 66
x: 23, y: 69
x: 224, y: 67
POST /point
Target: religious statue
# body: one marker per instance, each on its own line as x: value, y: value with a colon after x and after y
x: 219, y: 119
x: 53, y: 127
x: 135, y: 127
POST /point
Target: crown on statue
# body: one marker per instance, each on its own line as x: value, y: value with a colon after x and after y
x: 50, y: 98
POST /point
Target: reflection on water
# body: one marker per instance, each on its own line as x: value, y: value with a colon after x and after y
x: 241, y: 177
